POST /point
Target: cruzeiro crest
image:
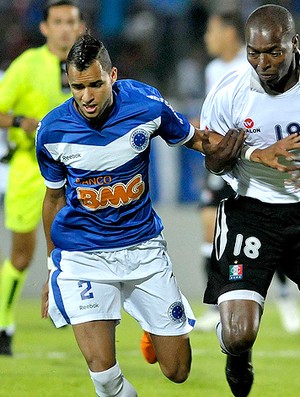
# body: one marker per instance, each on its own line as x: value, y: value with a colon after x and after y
x: 176, y: 312
x: 139, y: 139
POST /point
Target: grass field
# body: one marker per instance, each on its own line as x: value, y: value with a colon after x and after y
x: 47, y: 362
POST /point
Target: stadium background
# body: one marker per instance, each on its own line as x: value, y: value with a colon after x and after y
x: 159, y: 42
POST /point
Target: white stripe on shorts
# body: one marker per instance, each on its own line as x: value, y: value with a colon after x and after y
x: 221, y: 231
x: 242, y: 294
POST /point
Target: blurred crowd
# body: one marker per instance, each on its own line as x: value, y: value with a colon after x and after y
x: 156, y: 41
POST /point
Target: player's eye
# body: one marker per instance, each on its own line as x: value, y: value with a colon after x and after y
x: 97, y: 84
x: 276, y: 53
x: 77, y: 87
x: 252, y: 54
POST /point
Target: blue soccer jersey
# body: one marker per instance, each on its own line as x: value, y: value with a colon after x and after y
x: 105, y: 168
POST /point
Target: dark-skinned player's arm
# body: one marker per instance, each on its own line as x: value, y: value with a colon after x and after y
x: 272, y: 155
x: 221, y: 152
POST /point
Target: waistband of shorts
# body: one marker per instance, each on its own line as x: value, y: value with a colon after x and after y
x: 253, y: 202
x: 159, y: 239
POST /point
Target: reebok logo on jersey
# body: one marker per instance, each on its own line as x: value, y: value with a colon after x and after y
x: 249, y: 124
x: 66, y: 158
x: 111, y: 196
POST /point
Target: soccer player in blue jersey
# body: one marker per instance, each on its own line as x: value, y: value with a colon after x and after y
x: 105, y: 244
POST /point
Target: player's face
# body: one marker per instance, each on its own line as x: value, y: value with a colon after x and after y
x: 62, y: 27
x: 92, y: 89
x: 272, y: 55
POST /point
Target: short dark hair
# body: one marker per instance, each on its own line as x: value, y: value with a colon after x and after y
x: 273, y: 16
x: 85, y: 51
x: 53, y: 3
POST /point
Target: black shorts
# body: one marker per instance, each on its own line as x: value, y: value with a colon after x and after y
x: 252, y: 239
x: 214, y: 190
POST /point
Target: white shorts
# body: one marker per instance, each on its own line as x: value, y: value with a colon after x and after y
x: 89, y: 286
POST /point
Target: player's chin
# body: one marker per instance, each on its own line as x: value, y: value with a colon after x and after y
x: 269, y: 80
x: 91, y: 117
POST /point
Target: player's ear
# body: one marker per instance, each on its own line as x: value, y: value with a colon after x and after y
x: 295, y: 41
x: 44, y: 29
x: 113, y: 74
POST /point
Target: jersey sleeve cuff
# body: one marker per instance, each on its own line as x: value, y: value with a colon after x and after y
x: 186, y: 139
x: 55, y: 185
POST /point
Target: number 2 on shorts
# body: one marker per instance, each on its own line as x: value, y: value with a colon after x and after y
x: 85, y: 294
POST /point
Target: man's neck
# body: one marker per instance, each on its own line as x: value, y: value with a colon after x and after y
x: 285, y: 84
x: 61, y: 53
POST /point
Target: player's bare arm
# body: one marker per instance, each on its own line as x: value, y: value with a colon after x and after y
x: 54, y: 200
x: 221, y: 152
x: 28, y: 124
x: 283, y: 148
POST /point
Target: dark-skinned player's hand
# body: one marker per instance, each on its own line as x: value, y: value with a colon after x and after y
x: 221, y: 157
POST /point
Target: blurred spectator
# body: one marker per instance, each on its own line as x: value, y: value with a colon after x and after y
x: 4, y: 150
x: 172, y: 33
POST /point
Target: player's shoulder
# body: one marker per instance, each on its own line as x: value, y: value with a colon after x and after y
x: 135, y: 87
x: 235, y: 79
x: 56, y: 116
x: 226, y: 93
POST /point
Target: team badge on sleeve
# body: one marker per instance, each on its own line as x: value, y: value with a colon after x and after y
x: 176, y: 312
x: 139, y: 139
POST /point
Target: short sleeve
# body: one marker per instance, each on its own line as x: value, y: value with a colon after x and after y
x: 175, y: 129
x: 53, y: 171
x: 216, y: 112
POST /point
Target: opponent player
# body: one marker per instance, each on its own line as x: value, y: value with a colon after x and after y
x: 104, y: 239
x: 33, y: 85
x: 224, y: 40
x: 258, y: 229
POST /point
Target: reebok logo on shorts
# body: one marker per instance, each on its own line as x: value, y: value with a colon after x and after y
x: 89, y: 306
x: 235, y: 272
